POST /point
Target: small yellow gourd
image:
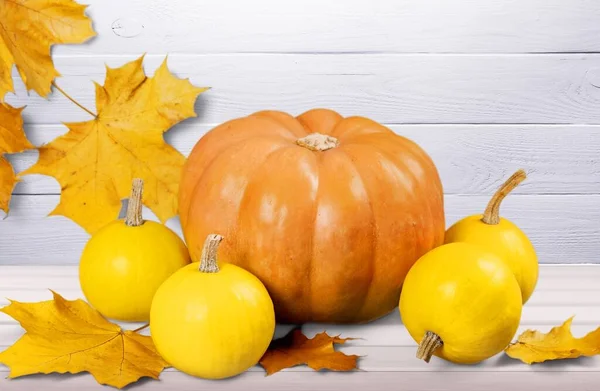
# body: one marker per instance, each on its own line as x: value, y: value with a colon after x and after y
x: 124, y: 263
x: 502, y: 237
x: 460, y: 303
x: 212, y: 322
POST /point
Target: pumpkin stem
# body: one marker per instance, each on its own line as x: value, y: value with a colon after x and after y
x: 491, y: 215
x: 208, y: 260
x: 429, y: 344
x: 134, y: 206
x: 318, y: 142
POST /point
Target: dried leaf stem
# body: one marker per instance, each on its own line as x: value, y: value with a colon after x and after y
x: 141, y: 328
x: 74, y: 101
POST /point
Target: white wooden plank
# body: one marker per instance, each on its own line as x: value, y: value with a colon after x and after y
x: 546, y: 298
x: 384, y: 345
x: 390, y: 88
x: 326, y: 381
x: 402, y: 359
x: 554, y: 300
x: 557, y: 285
x: 395, y: 335
x: 71, y: 289
x: 471, y: 159
x: 563, y: 228
x: 341, y: 26
x: 57, y: 240
x: 553, y: 278
x: 13, y: 275
x: 577, y: 300
x: 547, y: 307
x: 389, y: 331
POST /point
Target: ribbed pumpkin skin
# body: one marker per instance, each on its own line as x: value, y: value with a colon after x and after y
x: 331, y: 233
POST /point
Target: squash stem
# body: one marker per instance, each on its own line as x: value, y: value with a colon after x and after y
x: 318, y: 142
x: 491, y: 216
x: 429, y: 344
x: 208, y: 260
x: 134, y: 207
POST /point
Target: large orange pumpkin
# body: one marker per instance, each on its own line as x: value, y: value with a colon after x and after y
x: 328, y: 212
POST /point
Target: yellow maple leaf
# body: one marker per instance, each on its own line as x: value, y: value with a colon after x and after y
x: 70, y: 336
x: 12, y: 140
x: 533, y: 346
x: 96, y: 160
x: 28, y: 28
x: 317, y: 352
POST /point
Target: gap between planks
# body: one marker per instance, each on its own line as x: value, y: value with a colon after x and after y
x: 324, y: 54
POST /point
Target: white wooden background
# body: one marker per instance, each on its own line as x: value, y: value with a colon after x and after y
x: 485, y: 87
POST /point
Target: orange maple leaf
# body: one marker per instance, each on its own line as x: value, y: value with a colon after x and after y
x: 533, y: 346
x: 12, y: 140
x: 70, y: 336
x: 318, y: 353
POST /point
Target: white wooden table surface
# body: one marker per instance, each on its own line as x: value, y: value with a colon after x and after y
x: 389, y: 351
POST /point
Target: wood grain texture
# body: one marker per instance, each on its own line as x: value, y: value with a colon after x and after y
x: 564, y: 229
x: 562, y: 291
x: 315, y: 381
x: 389, y: 88
x: 334, y: 26
x: 545, y: 309
x: 471, y: 159
x: 387, y: 349
x: 402, y: 359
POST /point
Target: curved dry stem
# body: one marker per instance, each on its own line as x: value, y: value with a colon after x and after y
x: 492, y: 212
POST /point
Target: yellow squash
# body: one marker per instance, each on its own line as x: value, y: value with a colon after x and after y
x: 502, y: 237
x: 212, y: 322
x: 460, y: 303
x: 125, y: 262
